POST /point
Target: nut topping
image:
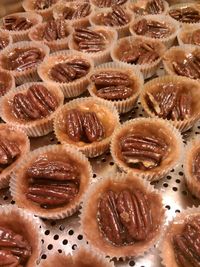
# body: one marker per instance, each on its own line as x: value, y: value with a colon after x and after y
x: 43, y: 4
x: 14, y: 23
x: 185, y: 15
x: 196, y: 37
x: 187, y: 244
x: 81, y: 11
x: 74, y: 125
x: 152, y: 7
x: 124, y: 217
x: 117, y: 17
x: 115, y: 92
x: 52, y: 183
x: 109, y: 3
x: 54, y: 30
x: 143, y: 152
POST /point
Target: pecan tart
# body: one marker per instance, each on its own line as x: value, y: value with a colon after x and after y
x: 19, y: 24
x: 19, y: 237
x: 14, y: 145
x: 185, y: 13
x: 173, y: 98
x: 148, y: 7
x: 140, y: 51
x: 69, y: 70
x: 180, y: 245
x: 22, y: 59
x: 122, y: 216
x: 183, y: 60
x: 116, y: 83
x: 95, y: 41
x: 7, y: 82
x: 51, y: 181
x: 147, y: 147
x: 54, y: 33
x: 189, y: 34
x: 5, y: 39
x: 87, y: 124
x: 32, y: 107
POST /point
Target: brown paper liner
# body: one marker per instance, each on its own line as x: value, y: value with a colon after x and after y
x: 9, y: 79
x: 19, y: 182
x: 185, y: 33
x: 166, y: 250
x: 32, y: 128
x: 89, y: 224
x: 156, y: 127
x: 125, y: 105
x: 7, y: 37
x: 28, y: 75
x: 22, y: 35
x: 106, y: 113
x: 173, y: 26
x: 101, y: 56
x: 147, y: 70
x: 70, y: 89
x: 25, y: 224
x: 192, y: 86
x: 17, y: 135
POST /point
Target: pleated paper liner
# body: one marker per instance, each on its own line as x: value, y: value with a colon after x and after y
x: 175, y: 226
x: 97, y: 18
x: 176, y: 53
x: 32, y: 128
x: 105, y: 112
x: 7, y: 37
x: 153, y: 127
x: 135, y: 75
x: 89, y: 216
x: 110, y: 37
x: 193, y: 183
x: 16, y: 135
x: 29, y: 74
x: 70, y: 89
x: 19, y: 181
x: 189, y: 85
x: 185, y: 34
x: 47, y: 13
x: 7, y: 80
x: 147, y: 70
x: 166, y: 20
x: 24, y: 223
x: 22, y: 35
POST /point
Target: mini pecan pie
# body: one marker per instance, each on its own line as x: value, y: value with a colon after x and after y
x: 108, y: 3
x: 146, y: 147
x: 52, y: 181
x: 186, y: 14
x: 189, y: 34
x: 124, y: 220
x: 145, y: 7
x: 7, y: 82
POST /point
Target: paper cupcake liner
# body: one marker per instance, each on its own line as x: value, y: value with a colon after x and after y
x: 121, y: 30
x: 166, y: 250
x: 70, y: 89
x: 10, y: 78
x: 25, y: 147
x: 185, y: 33
x: 125, y: 105
x: 18, y: 188
x: 167, y: 57
x: 89, y: 226
x: 35, y: 128
x: 7, y: 36
x: 93, y: 149
x: 55, y: 45
x: 28, y: 75
x: 101, y: 56
x: 181, y: 125
x: 192, y: 183
x: 158, y: 172
x: 24, y: 223
x: 148, y: 70
x: 22, y: 35
x: 174, y: 26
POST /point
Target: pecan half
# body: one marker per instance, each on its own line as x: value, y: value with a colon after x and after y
x: 14, y: 23
x: 81, y: 11
x: 54, y: 30
x: 111, y: 78
x: 74, y: 125
x: 115, y: 92
x: 43, y: 4
x: 117, y: 17
x: 109, y: 3
x: 9, y: 151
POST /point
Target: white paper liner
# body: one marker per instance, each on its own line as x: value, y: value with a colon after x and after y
x: 192, y: 182
x: 24, y: 223
x: 125, y: 105
x: 147, y: 70
x: 166, y: 250
x: 173, y: 26
x: 70, y: 89
x: 28, y: 75
x: 7, y: 36
x: 24, y: 145
x: 121, y: 30
x: 55, y: 45
x: 18, y: 187
x: 10, y: 78
x: 89, y: 225
x: 159, y: 126
x: 108, y: 115
x: 101, y: 56
x: 32, y: 128
x: 22, y: 35
x: 193, y: 86
x: 185, y: 33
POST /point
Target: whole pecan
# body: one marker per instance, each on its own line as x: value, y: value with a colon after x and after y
x: 81, y: 11
x: 117, y: 17
x: 118, y: 92
x: 14, y: 23
x: 111, y: 78
x: 74, y: 125
x: 9, y: 151
x: 8, y: 259
x: 55, y: 29
x: 196, y: 165
x: 43, y: 4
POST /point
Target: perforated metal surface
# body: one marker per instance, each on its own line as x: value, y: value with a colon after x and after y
x: 64, y: 235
